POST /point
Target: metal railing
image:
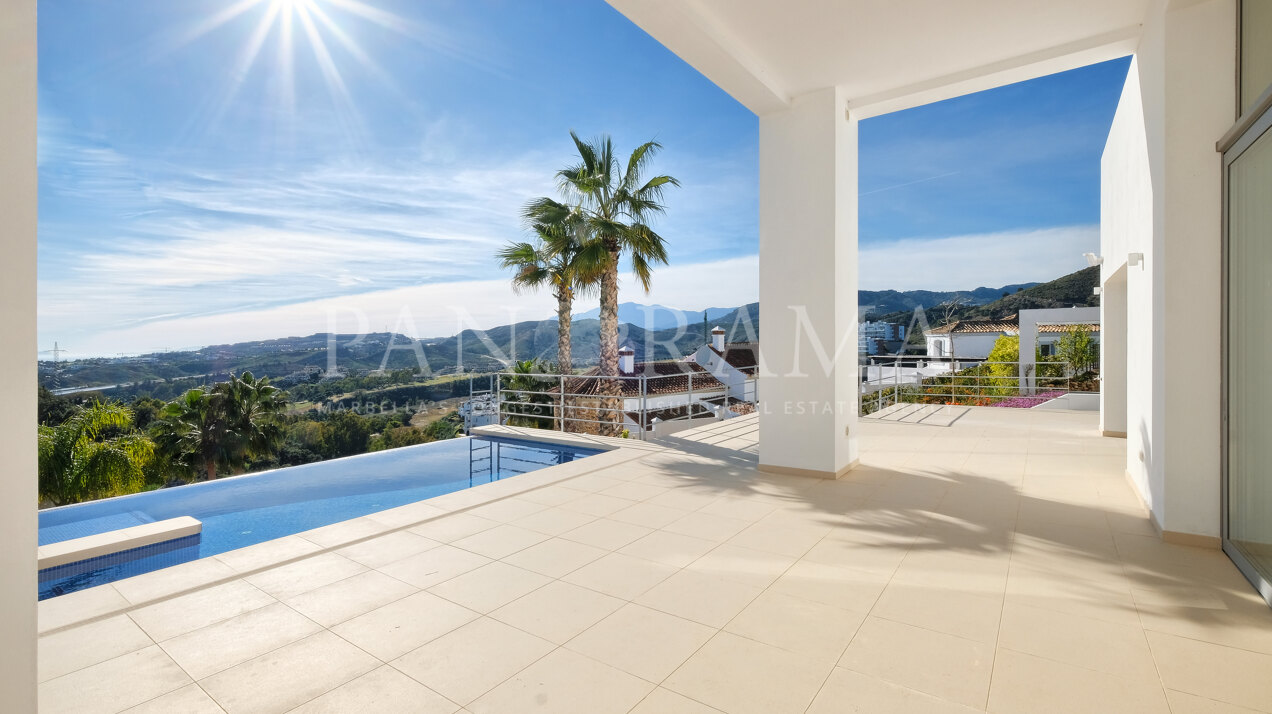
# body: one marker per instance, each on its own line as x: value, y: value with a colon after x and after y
x: 632, y: 404
x: 966, y: 382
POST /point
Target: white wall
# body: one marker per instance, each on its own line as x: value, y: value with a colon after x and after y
x: 974, y: 344
x: 1160, y: 196
x: 1113, y: 354
x: 18, y: 358
x: 808, y: 286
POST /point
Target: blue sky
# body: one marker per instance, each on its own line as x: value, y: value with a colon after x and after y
x: 210, y: 173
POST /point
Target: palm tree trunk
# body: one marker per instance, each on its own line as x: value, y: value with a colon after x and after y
x: 609, y: 349
x: 209, y: 469
x: 564, y: 305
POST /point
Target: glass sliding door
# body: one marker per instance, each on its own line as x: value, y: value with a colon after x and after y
x: 1249, y: 355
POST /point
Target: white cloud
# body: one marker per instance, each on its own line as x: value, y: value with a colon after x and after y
x: 972, y: 261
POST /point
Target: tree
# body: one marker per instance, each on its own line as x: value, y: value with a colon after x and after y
x: 192, y: 434
x: 345, y: 434
x: 251, y: 409
x: 550, y: 261
x: 94, y: 453
x: 615, y: 206
x: 1079, y: 349
x: 525, y: 396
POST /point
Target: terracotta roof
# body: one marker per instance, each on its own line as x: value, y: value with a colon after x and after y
x: 740, y: 355
x: 1089, y: 327
x: 669, y: 377
x: 1010, y: 327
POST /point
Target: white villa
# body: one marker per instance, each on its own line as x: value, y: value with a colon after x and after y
x: 803, y: 558
x: 973, y: 339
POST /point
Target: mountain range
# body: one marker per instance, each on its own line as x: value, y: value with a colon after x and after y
x: 669, y: 333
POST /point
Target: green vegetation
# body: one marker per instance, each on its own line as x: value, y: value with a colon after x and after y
x: 95, y: 449
x: 525, y: 396
x: 1079, y: 349
x: 96, y: 452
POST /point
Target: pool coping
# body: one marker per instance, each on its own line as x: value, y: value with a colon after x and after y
x: 59, y: 613
x: 93, y: 546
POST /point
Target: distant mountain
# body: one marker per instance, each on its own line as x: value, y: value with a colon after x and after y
x: 658, y: 317
x: 876, y: 303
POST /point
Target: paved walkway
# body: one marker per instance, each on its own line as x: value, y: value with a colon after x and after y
x: 998, y: 563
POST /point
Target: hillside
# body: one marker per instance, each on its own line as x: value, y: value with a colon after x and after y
x: 875, y: 303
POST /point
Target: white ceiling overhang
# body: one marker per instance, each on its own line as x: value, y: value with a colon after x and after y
x: 884, y: 54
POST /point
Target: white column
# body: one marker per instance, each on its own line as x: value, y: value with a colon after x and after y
x: 808, y: 287
x: 17, y: 359
x: 1113, y: 354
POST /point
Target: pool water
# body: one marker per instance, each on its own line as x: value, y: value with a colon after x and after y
x: 245, y: 510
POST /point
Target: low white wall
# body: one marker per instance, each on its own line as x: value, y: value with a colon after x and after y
x: 1083, y: 402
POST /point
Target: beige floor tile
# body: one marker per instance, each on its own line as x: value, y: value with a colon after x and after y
x: 847, y: 691
x: 468, y: 662
x: 1066, y: 591
x: 556, y: 557
x: 290, y: 676
x: 407, y: 515
x: 113, y: 685
x: 381, y: 690
x: 745, y: 509
x: 210, y: 649
x: 186, y: 613
x: 78, y: 606
x: 305, y: 575
x: 507, y: 510
x: 594, y: 483
x: 500, y: 541
x: 841, y: 551
x: 701, y: 597
x: 1182, y: 703
x: 640, y: 641
x: 567, y: 683
x: 669, y: 548
x: 557, y: 611
x: 1229, y: 675
x: 453, y: 527
x: 944, y: 666
x: 264, y: 555
x: 649, y: 514
x: 399, y: 627
x: 606, y: 533
x: 974, y: 572
x: 553, y: 495
x: 620, y: 575
x: 841, y: 587
x: 190, y: 699
x: 151, y: 586
x: 634, y: 491
x: 64, y: 652
x: 332, y: 604
x: 739, y: 675
x: 554, y: 521
x: 434, y: 566
x: 744, y: 565
x: 598, y: 504
x: 790, y: 540
x: 491, y: 586
x: 665, y: 701
x: 796, y: 625
x: 387, y: 548
x: 707, y: 526
x: 972, y: 615
x: 1026, y: 683
x: 343, y: 532
x: 1116, y: 649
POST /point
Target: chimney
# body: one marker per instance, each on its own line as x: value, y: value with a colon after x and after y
x: 717, y: 339
x: 626, y: 360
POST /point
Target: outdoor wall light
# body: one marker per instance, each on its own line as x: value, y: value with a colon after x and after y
x: 1093, y: 259
x: 1134, y: 259
x: 1097, y: 290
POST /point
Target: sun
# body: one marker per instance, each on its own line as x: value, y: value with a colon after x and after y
x: 287, y: 24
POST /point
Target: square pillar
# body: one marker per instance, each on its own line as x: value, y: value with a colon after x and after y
x: 808, y: 287
x: 18, y: 522
x: 1113, y: 354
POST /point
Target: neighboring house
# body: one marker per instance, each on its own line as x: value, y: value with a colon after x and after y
x: 735, y: 364
x: 973, y: 339
x: 643, y: 387
x: 968, y: 339
x: 874, y: 337
x: 479, y: 411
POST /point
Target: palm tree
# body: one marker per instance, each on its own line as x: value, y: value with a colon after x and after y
x: 192, y: 434
x: 525, y: 396
x: 93, y: 454
x: 614, y: 207
x: 549, y: 261
x: 250, y: 408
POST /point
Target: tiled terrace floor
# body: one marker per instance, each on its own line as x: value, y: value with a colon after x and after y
x: 1000, y: 563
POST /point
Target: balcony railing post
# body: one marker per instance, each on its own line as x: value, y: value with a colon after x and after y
x: 561, y: 386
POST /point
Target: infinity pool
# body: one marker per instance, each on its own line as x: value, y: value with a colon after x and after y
x: 244, y: 510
